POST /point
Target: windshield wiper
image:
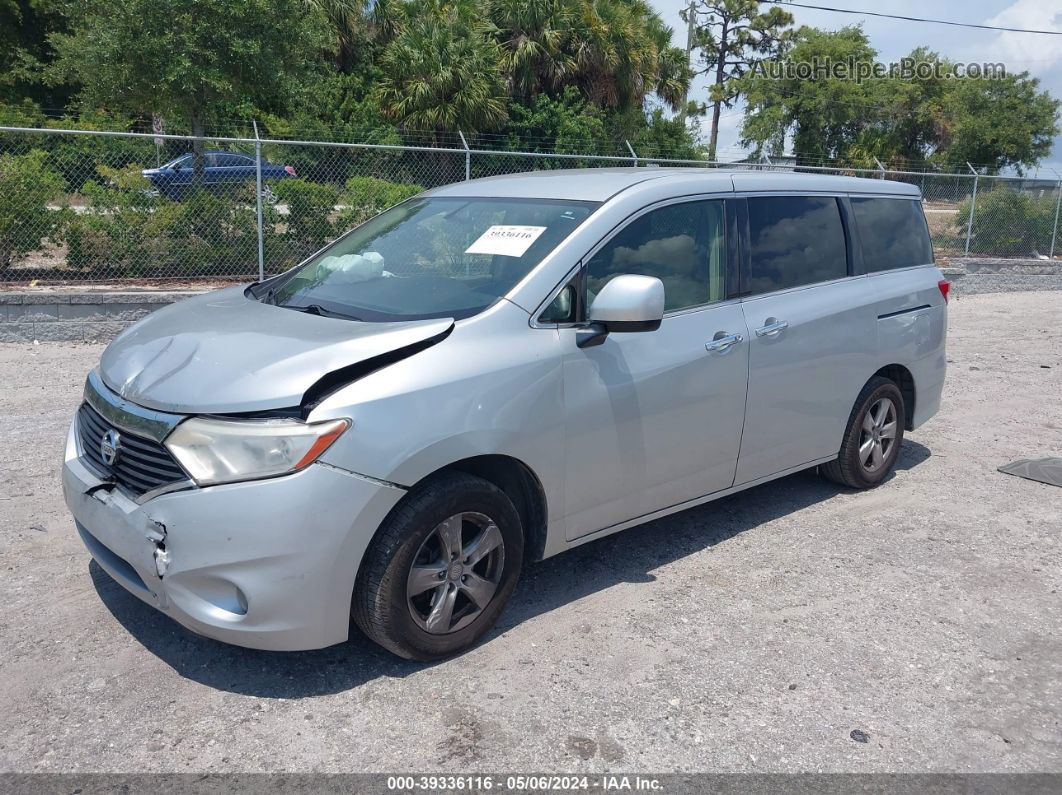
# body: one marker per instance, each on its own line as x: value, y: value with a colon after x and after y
x: 317, y: 309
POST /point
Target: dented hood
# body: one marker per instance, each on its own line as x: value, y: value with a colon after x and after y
x: 223, y: 352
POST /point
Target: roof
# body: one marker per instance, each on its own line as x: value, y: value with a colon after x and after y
x: 599, y: 184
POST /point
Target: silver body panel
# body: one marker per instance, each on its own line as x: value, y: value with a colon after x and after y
x: 644, y: 424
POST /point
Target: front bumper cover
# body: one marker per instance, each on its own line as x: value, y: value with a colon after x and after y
x: 267, y: 564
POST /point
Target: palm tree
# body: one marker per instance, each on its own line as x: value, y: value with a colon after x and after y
x: 441, y: 71
x: 534, y: 35
x: 346, y: 19
x: 622, y: 53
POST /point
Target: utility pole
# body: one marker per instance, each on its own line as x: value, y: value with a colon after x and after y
x: 691, y: 38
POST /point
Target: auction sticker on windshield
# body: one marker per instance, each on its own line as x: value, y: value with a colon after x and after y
x: 507, y: 241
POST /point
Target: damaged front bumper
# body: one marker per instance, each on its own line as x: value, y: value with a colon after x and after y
x: 267, y: 564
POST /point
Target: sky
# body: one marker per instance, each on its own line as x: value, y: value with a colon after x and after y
x: 1040, y: 55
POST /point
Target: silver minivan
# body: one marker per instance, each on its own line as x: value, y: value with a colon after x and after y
x: 491, y: 373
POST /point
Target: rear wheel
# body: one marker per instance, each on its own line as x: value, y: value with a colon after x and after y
x: 441, y: 569
x: 872, y: 439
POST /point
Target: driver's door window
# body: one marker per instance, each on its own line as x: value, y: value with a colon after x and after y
x: 680, y: 244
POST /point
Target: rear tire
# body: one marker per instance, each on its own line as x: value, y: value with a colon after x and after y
x: 872, y: 439
x: 441, y: 568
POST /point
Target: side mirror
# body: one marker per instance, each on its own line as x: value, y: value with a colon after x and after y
x: 626, y: 303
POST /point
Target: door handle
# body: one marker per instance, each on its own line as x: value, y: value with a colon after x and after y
x: 773, y: 328
x: 723, y: 343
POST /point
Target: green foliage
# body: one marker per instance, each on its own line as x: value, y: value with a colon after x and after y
x: 311, y: 210
x: 667, y: 138
x: 1008, y: 223
x: 24, y: 47
x: 442, y: 70
x: 995, y: 123
x: 127, y: 230
x: 823, y: 115
x: 368, y: 196
x: 189, y: 61
x: 26, y: 188
x: 569, y: 124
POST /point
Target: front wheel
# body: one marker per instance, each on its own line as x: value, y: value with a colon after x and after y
x: 872, y: 439
x: 441, y: 568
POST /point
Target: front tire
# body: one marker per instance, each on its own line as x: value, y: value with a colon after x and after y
x: 441, y: 568
x: 872, y: 439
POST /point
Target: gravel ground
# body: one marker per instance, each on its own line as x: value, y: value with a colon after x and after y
x: 756, y: 633
x: 979, y: 283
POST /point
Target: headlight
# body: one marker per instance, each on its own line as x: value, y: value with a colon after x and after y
x: 221, y: 451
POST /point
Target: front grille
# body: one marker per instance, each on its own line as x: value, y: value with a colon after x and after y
x: 142, y: 464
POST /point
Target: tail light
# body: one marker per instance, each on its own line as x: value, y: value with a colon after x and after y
x: 290, y: 170
x: 944, y: 286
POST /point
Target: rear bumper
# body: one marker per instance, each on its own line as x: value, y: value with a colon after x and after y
x: 267, y: 564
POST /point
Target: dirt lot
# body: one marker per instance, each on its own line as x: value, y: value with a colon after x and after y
x: 752, y: 634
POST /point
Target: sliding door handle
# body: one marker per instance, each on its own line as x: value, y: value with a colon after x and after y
x: 773, y: 328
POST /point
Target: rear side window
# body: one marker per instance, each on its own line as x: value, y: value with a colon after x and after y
x: 892, y: 233
x: 795, y: 240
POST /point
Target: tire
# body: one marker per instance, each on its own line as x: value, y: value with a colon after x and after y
x: 856, y: 465
x: 388, y: 604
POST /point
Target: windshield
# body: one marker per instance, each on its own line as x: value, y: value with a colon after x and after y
x: 431, y: 257
x: 177, y: 161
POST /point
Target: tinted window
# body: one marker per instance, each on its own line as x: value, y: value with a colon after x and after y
x: 892, y: 233
x: 681, y: 244
x: 795, y: 240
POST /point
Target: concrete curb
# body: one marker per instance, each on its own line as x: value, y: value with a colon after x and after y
x: 89, y: 316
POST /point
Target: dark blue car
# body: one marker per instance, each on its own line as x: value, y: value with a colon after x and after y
x: 220, y: 170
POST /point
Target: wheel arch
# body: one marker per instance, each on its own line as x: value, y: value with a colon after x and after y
x: 520, y: 485
x: 902, y: 377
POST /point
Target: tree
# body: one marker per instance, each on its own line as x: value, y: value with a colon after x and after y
x: 622, y: 52
x: 940, y: 117
x: 616, y: 52
x: 823, y: 115
x: 535, y: 36
x: 732, y: 36
x: 996, y: 124
x: 188, y: 60
x: 442, y: 70
x: 348, y: 26
x: 24, y: 29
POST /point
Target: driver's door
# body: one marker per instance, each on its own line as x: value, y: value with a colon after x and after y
x: 653, y: 418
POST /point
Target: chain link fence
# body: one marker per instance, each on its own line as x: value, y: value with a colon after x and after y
x: 91, y: 206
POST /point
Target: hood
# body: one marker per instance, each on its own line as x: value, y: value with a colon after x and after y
x: 223, y: 353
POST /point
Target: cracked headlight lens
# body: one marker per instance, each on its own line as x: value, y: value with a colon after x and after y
x: 223, y: 451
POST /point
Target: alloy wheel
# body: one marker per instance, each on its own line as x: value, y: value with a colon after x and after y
x: 878, y: 435
x: 455, y: 573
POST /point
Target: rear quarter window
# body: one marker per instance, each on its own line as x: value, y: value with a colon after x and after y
x: 795, y: 240
x: 892, y: 233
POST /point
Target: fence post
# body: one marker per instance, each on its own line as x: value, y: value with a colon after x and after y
x: 1054, y: 231
x: 468, y: 157
x: 973, y: 209
x: 258, y: 200
x: 881, y: 168
x: 634, y: 155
